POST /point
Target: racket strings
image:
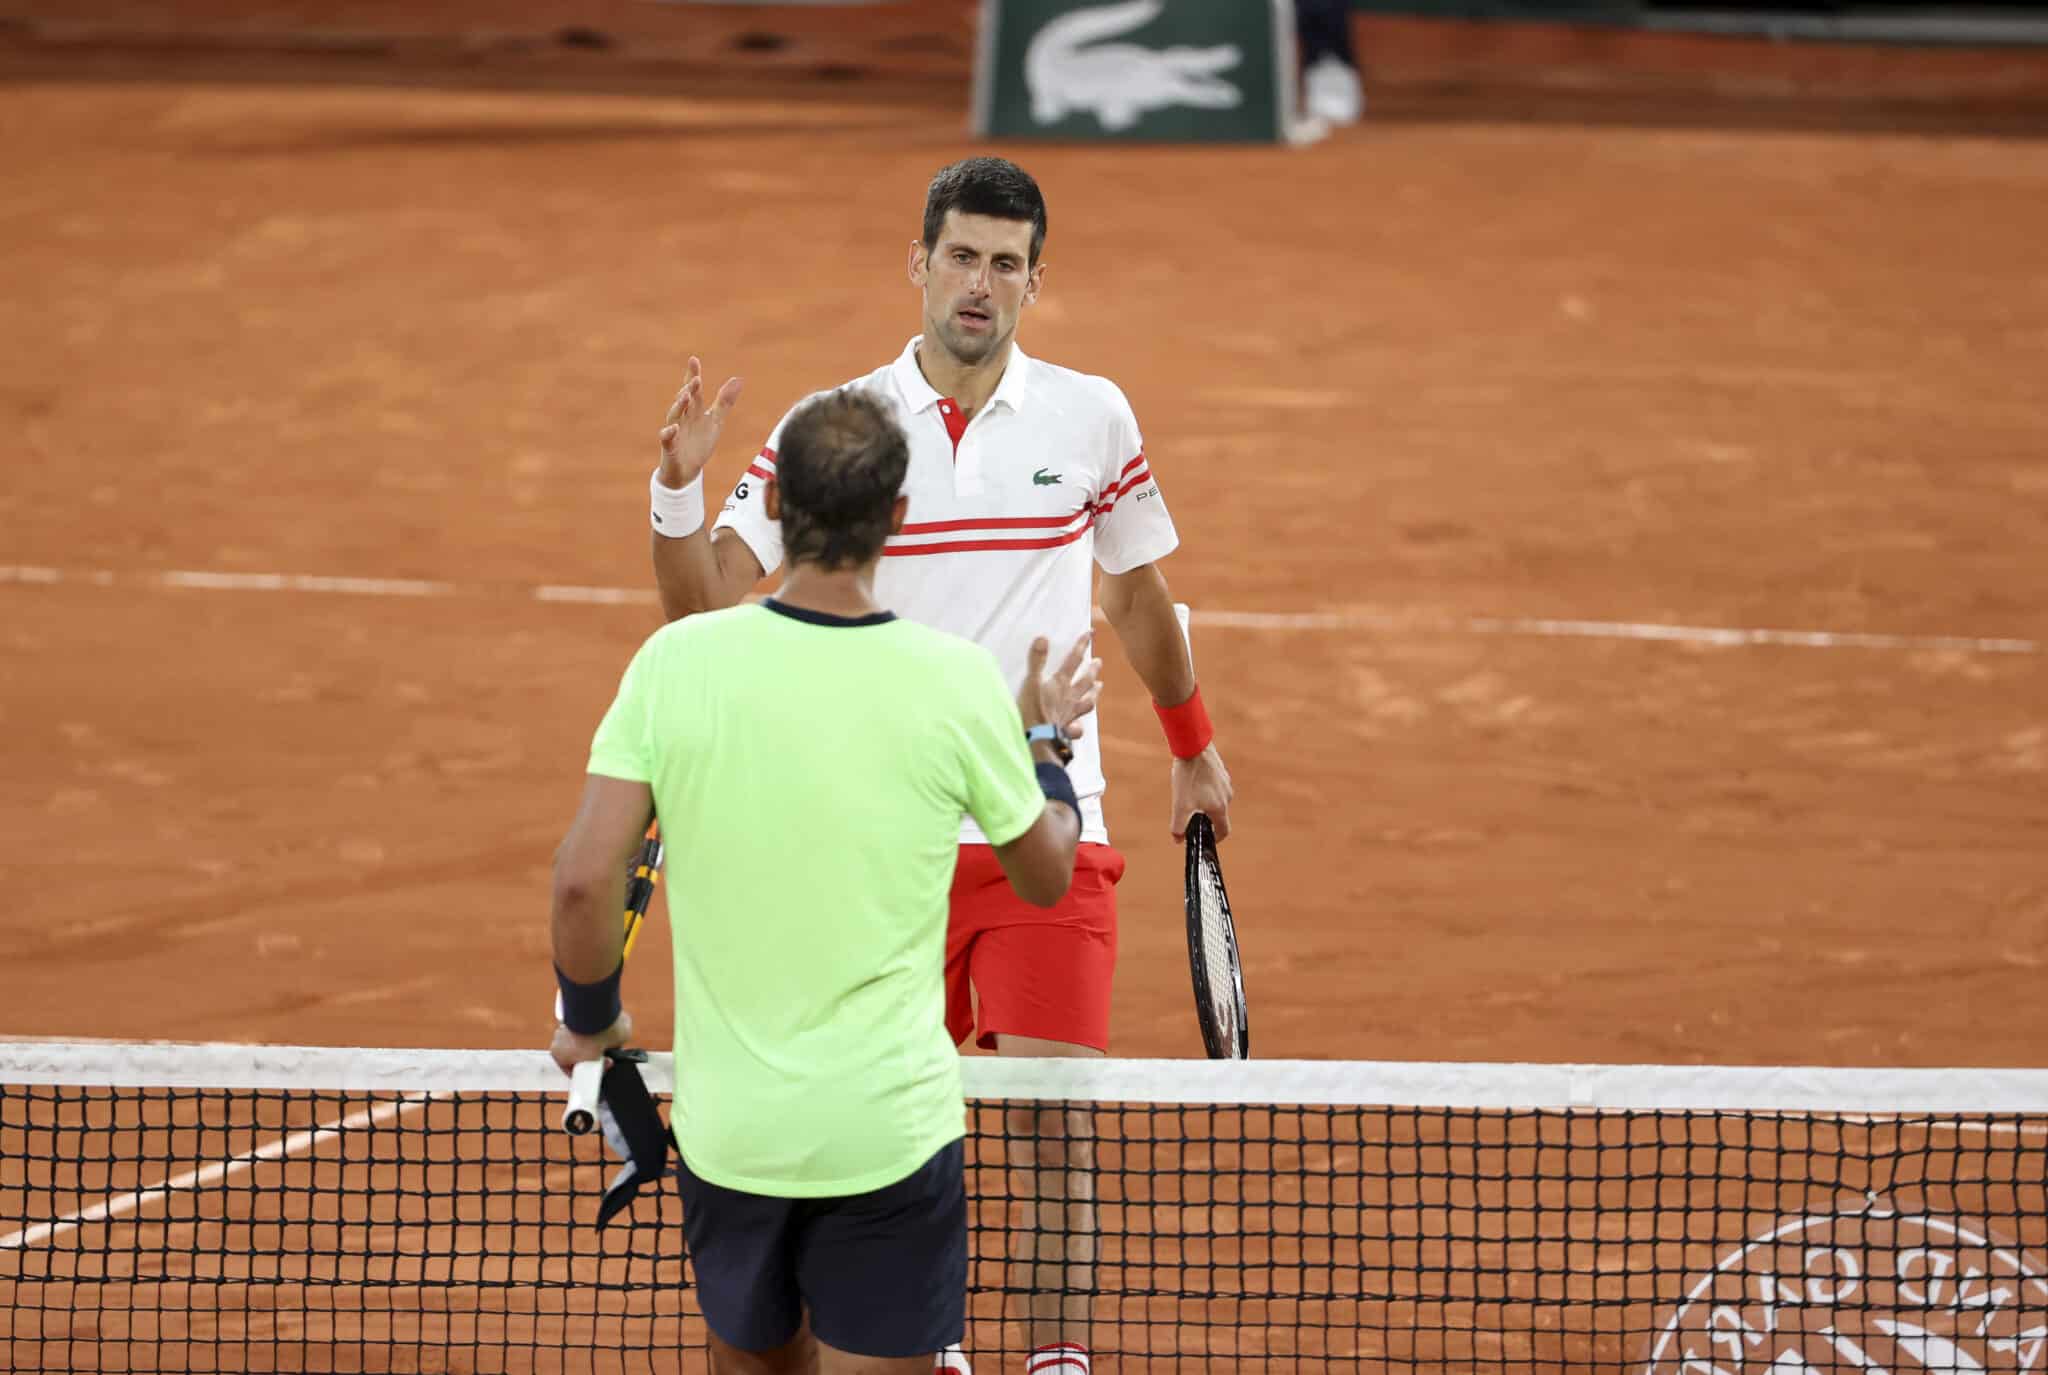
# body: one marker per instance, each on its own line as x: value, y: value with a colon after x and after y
x: 1219, y: 949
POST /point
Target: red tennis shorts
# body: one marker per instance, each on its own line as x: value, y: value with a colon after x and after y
x: 1036, y: 971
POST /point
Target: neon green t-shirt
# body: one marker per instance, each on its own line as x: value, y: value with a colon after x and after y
x: 810, y: 773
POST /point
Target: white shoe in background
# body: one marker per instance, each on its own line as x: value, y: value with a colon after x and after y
x: 1333, y: 92
x: 951, y: 1361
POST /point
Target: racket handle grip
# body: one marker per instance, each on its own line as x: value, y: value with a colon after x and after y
x: 579, y: 1113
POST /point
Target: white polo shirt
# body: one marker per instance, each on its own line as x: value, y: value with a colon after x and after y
x: 1008, y: 516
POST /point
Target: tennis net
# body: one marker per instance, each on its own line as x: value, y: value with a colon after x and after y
x: 246, y: 1208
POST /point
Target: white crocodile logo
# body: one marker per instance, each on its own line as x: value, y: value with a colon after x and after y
x: 1118, y: 82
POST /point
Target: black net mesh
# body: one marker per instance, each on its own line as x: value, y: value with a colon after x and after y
x: 263, y: 1230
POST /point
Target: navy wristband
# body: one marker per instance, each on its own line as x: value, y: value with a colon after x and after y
x: 1057, y: 787
x: 590, y: 1009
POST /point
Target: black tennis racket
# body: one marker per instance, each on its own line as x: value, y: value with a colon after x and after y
x: 1212, y: 950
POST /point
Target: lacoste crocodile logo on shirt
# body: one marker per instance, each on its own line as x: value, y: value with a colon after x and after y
x: 1042, y: 478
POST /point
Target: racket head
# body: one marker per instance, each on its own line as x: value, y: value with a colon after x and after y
x: 1212, y: 949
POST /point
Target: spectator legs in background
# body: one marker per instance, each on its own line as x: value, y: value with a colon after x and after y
x: 1331, y: 88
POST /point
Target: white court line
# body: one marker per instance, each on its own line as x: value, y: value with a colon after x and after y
x: 299, y: 582
x: 1265, y: 621
x: 601, y: 596
x: 1804, y: 639
x: 120, y: 1205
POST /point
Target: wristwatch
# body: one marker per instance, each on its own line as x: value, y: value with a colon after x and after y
x: 1047, y: 733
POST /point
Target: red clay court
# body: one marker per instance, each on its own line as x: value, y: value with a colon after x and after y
x: 1414, y: 394
x: 1611, y: 486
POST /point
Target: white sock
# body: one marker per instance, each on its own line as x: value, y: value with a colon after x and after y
x: 1063, y: 1358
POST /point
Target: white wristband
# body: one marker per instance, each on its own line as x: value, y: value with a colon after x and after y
x: 675, y: 511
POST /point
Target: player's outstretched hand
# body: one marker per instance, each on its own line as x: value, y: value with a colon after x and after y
x: 1201, y: 784
x: 1067, y: 693
x: 570, y: 1050
x: 690, y: 431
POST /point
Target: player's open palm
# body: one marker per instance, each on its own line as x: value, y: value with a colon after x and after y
x: 1065, y: 694
x: 690, y: 431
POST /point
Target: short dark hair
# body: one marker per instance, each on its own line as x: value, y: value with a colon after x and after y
x: 840, y: 468
x: 995, y: 187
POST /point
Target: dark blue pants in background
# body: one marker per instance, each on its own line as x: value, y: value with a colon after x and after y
x: 1324, y: 30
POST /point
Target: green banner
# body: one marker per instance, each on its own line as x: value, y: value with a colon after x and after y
x: 1180, y: 71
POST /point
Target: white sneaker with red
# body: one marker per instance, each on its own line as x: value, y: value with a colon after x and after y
x: 951, y: 1361
x: 1066, y: 1358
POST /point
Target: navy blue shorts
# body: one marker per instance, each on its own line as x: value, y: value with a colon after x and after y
x: 881, y: 1273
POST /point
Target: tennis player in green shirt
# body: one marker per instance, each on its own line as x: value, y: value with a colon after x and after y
x: 810, y: 759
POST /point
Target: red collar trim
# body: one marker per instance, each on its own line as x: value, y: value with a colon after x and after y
x: 956, y: 423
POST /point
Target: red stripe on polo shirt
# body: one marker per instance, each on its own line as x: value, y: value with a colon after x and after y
x: 1144, y: 476
x: 1116, y: 494
x: 940, y: 527
x: 756, y: 470
x: 1132, y: 464
x: 981, y: 546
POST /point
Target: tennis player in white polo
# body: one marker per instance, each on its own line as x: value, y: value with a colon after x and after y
x: 1025, y: 478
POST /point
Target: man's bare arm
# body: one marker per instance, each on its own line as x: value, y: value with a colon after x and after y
x: 703, y: 571
x: 589, y: 892
x: 1139, y: 608
x: 698, y: 570
x: 590, y: 875
x: 1040, y: 863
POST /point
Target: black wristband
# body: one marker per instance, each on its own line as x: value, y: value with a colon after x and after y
x: 1057, y: 787
x: 588, y: 1009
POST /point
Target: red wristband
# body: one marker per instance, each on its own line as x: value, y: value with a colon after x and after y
x: 1188, y: 731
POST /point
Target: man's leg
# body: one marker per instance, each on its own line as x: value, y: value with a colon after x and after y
x: 1043, y: 976
x: 1331, y: 83
x: 798, y: 1356
x: 1052, y: 1170
x: 885, y: 1273
x: 741, y: 1246
x: 806, y: 1355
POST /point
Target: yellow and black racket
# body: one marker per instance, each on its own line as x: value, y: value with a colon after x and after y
x: 640, y: 886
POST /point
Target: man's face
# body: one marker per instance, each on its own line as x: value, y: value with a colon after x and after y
x: 976, y: 280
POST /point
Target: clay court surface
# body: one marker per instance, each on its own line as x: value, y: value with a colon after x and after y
x: 1414, y: 395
